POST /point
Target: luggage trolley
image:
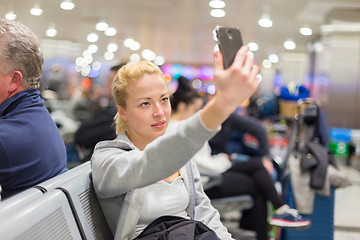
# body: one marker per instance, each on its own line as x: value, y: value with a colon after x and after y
x: 306, y: 127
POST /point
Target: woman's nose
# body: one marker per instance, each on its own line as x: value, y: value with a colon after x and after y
x: 158, y: 110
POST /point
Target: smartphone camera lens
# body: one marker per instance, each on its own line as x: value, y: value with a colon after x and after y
x: 229, y: 33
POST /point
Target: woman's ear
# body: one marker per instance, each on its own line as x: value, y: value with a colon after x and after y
x: 121, y: 112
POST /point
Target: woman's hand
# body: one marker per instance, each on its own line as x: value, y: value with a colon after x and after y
x: 233, y: 86
x: 237, y: 83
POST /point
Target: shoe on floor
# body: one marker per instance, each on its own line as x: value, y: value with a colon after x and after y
x: 289, y: 218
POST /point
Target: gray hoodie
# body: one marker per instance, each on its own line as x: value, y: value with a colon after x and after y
x: 121, y: 171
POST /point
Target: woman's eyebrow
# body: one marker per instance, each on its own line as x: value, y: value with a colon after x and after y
x: 149, y: 98
x: 143, y: 98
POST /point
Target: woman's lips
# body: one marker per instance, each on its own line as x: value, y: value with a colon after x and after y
x: 159, y: 125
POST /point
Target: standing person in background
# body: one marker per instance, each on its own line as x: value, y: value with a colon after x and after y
x: 143, y: 174
x: 31, y: 147
x: 238, y: 178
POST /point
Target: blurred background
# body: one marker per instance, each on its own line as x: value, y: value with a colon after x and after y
x: 309, y: 42
x: 305, y: 48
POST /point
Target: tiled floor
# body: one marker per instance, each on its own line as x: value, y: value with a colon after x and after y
x: 347, y: 211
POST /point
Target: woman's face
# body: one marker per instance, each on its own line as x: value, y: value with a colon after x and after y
x: 147, y: 110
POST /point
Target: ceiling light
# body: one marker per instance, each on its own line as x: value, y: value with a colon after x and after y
x: 306, y: 31
x: 109, y: 56
x: 253, y: 46
x: 85, y: 70
x: 101, y: 26
x: 51, y: 31
x: 112, y: 47
x: 110, y: 31
x: 135, y: 46
x: 289, y: 45
x: 96, y: 65
x: 77, y: 68
x: 92, y: 37
x: 265, y: 21
x: 273, y: 58
x: 10, y: 15
x: 217, y: 13
x: 148, y: 54
x: 79, y: 61
x: 217, y: 4
x: 86, y: 53
x: 36, y: 11
x: 93, y: 48
x: 266, y: 63
x: 88, y: 59
x: 340, y: 27
x: 132, y: 44
x: 67, y: 5
x: 134, y: 57
x: 159, y: 60
x: 128, y: 42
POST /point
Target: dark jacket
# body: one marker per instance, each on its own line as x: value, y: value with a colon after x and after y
x: 244, y: 124
x: 31, y: 147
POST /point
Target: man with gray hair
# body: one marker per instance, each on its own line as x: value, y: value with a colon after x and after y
x: 31, y: 147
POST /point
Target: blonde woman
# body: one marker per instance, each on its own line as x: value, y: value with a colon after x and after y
x: 144, y: 174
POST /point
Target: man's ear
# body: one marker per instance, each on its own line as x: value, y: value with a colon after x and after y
x: 181, y: 107
x: 121, y: 112
x: 16, y: 81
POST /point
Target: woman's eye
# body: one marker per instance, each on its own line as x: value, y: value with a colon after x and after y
x: 144, y: 104
x: 165, y: 99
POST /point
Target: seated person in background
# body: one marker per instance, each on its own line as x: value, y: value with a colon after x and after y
x: 100, y: 127
x: 244, y: 124
x: 237, y: 124
x: 143, y: 174
x: 31, y: 147
x: 238, y: 178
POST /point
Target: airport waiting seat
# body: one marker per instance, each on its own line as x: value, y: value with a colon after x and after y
x: 19, y: 200
x: 68, y: 176
x: 86, y: 208
x: 48, y: 217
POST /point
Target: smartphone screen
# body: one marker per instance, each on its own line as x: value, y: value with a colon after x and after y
x: 229, y: 41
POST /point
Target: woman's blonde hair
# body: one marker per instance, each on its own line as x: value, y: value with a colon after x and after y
x: 128, y: 74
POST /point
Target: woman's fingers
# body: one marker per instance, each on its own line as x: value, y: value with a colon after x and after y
x: 218, y: 63
x: 249, y: 62
x: 240, y: 57
x: 254, y: 72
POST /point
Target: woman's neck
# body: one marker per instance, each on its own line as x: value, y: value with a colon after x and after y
x: 140, y: 143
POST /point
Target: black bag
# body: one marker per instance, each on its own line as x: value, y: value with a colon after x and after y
x: 176, y: 228
x: 315, y: 157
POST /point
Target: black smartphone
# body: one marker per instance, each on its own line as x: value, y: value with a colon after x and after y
x: 229, y: 41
